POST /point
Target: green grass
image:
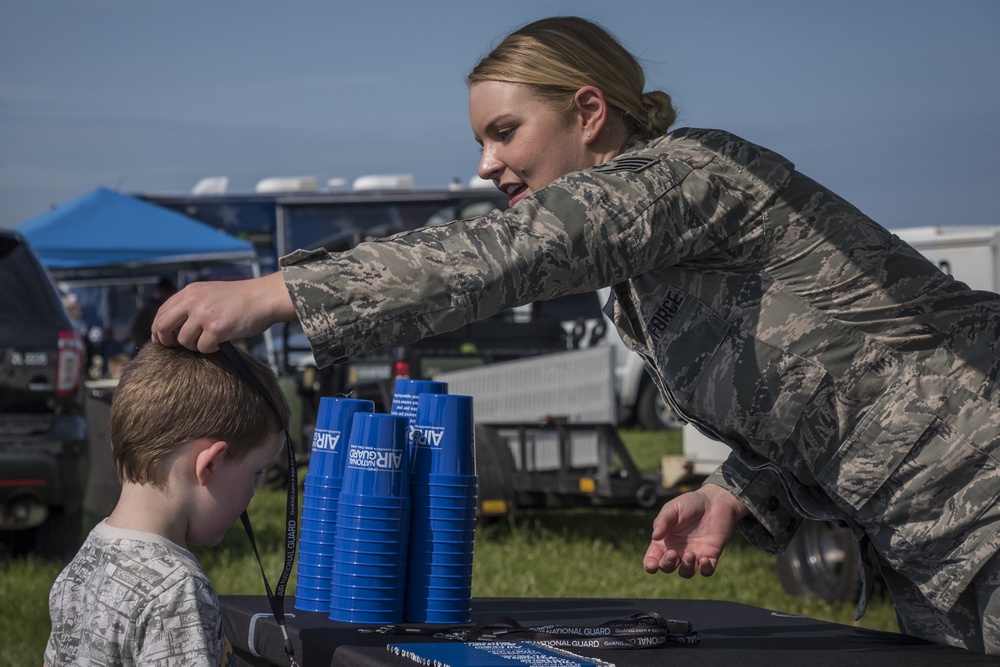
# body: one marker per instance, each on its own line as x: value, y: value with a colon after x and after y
x: 536, y: 553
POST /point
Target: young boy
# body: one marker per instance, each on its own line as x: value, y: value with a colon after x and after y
x: 189, y: 437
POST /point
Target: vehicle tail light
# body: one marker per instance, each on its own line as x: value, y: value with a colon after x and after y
x: 69, y: 367
x: 401, y: 369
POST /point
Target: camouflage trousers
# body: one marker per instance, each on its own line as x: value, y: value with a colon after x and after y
x: 973, y: 623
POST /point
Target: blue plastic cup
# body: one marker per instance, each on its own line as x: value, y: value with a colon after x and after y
x: 360, y: 610
x: 444, y: 527
x: 420, y: 544
x: 316, y: 486
x: 313, y: 594
x: 359, y: 600
x: 325, y: 570
x: 464, y: 503
x: 347, y: 544
x: 306, y: 600
x: 421, y: 487
x: 378, y: 582
x: 305, y: 604
x: 449, y: 533
x: 406, y: 394
x: 388, y: 503
x: 349, y: 587
x: 366, y: 507
x: 442, y: 436
x: 382, y: 514
x: 431, y: 616
x: 310, y: 516
x: 321, y: 510
x: 421, y: 609
x: 315, y: 554
x: 425, y: 520
x: 396, y: 559
x: 317, y: 560
x: 333, y: 424
x: 315, y: 503
x: 387, y: 598
x: 324, y: 538
x: 378, y: 457
x: 425, y: 565
x: 461, y: 593
x: 313, y: 583
x: 405, y: 400
x: 423, y: 511
x: 370, y: 569
x: 422, y: 576
x: 376, y: 534
x: 422, y: 563
x: 445, y: 479
x: 369, y: 564
x: 349, y: 521
x: 362, y: 617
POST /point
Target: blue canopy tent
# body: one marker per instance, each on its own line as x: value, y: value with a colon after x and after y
x: 110, y: 249
x: 109, y: 230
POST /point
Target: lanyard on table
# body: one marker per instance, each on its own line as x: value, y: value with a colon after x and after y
x: 275, y: 599
x: 646, y: 629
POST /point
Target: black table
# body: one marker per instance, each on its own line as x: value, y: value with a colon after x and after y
x: 731, y: 634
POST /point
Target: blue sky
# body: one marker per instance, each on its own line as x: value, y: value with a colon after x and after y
x: 893, y: 104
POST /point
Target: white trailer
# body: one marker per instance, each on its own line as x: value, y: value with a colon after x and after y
x: 970, y: 253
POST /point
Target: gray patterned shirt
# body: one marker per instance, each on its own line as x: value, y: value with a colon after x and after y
x: 134, y: 598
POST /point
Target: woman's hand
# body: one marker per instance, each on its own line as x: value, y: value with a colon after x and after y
x: 204, y: 314
x: 691, y: 530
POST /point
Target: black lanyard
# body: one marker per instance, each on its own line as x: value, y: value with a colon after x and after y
x: 276, y: 599
x: 643, y: 630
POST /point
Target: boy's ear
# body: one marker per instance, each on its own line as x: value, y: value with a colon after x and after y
x: 208, y: 458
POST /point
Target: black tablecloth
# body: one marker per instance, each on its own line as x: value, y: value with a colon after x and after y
x: 731, y: 634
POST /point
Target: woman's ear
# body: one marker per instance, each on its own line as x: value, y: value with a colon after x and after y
x: 592, y: 110
x: 208, y: 458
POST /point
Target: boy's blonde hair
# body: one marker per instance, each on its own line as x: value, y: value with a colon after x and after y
x: 168, y: 396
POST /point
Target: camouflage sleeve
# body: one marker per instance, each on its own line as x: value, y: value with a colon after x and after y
x: 576, y: 235
x: 586, y: 230
x: 772, y: 522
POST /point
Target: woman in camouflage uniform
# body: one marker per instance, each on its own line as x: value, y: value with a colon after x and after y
x: 853, y: 380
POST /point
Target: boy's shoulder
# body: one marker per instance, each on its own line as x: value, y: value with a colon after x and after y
x: 136, y: 549
x: 129, y: 567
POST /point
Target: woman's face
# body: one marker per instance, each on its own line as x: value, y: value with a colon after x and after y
x: 526, y: 143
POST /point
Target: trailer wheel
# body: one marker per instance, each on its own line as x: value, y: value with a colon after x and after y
x: 821, y: 562
x: 495, y: 472
x: 646, y: 495
x: 652, y: 412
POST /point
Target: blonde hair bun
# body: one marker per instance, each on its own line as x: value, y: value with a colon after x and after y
x: 660, y: 113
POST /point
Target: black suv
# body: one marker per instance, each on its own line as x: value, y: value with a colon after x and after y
x: 43, y: 435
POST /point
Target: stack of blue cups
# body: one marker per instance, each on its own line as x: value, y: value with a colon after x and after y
x: 320, y: 498
x: 406, y: 395
x: 443, y: 488
x: 373, y: 517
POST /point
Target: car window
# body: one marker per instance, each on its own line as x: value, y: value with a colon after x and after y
x: 24, y: 288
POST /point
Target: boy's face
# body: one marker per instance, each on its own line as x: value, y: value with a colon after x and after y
x: 231, y: 489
